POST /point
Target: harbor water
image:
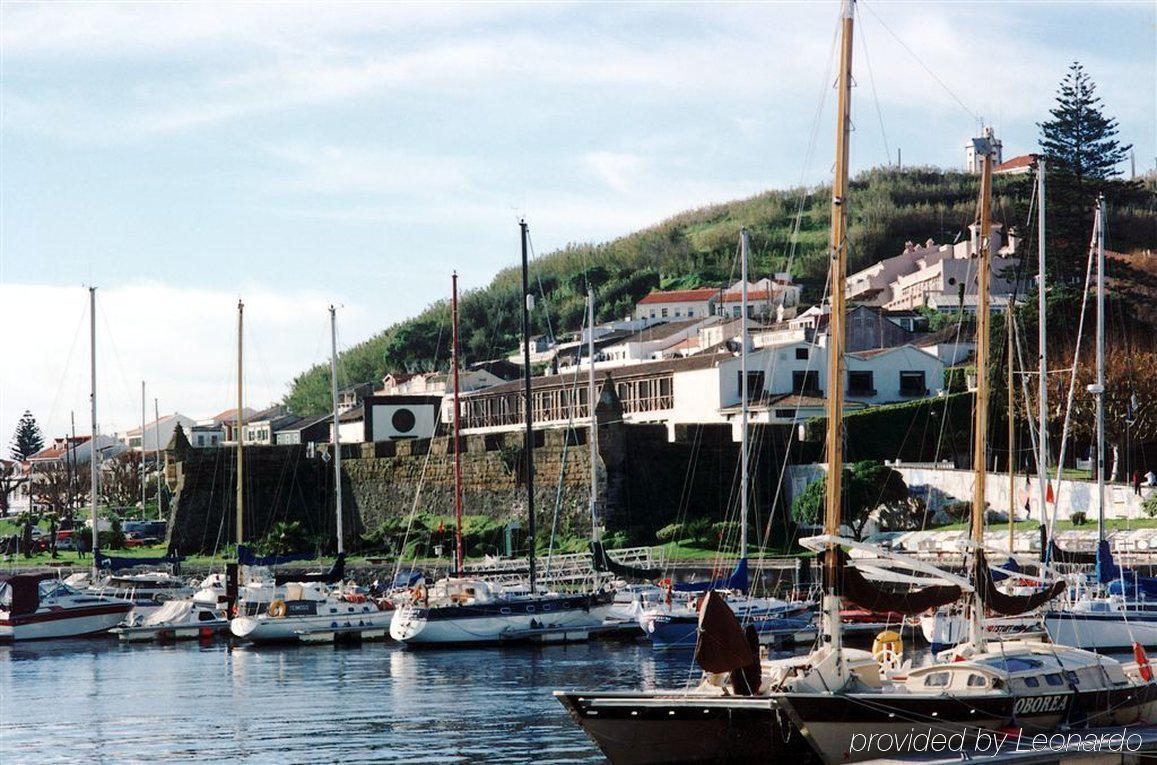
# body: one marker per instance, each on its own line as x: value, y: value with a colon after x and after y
x: 97, y: 700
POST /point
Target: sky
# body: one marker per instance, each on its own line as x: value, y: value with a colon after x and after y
x: 180, y: 156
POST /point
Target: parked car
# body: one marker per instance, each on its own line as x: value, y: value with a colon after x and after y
x: 140, y: 539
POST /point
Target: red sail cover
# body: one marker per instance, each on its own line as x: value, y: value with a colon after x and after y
x: 722, y: 645
x: 858, y: 589
x: 1009, y: 605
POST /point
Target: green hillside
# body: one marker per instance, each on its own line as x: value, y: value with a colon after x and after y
x: 698, y: 247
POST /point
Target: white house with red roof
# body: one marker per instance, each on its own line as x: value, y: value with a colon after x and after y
x: 678, y: 304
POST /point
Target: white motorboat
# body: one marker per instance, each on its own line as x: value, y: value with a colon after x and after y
x: 39, y: 606
x: 186, y: 619
x: 147, y: 591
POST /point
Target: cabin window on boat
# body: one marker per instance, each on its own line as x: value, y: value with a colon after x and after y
x: 5, y: 595
x: 1031, y: 681
x: 1054, y: 679
x: 937, y: 680
x: 977, y: 681
x: 205, y: 616
x: 1072, y: 676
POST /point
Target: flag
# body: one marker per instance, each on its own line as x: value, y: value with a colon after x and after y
x: 1049, y: 498
x: 441, y: 527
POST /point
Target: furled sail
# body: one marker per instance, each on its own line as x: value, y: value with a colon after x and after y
x: 247, y: 557
x: 335, y: 574
x: 1051, y: 551
x: 858, y: 589
x: 737, y: 580
x: 722, y: 645
x: 116, y: 563
x: 604, y: 563
x: 1009, y: 605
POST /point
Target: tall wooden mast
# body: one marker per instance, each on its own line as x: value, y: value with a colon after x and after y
x: 1011, y: 433
x: 592, y: 405
x: 980, y: 424
x: 457, y: 438
x: 836, y: 342
x: 1042, y: 459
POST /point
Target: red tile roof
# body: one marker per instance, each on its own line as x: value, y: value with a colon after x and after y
x: 679, y: 296
x: 1024, y: 160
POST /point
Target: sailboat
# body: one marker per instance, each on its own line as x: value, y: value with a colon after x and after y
x: 752, y: 710
x: 306, y: 609
x: 1119, y: 610
x: 465, y: 610
x: 38, y: 606
x: 675, y: 625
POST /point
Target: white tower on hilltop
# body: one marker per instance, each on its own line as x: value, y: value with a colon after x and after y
x: 972, y: 159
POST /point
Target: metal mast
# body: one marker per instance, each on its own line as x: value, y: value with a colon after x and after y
x: 831, y: 625
x: 144, y: 482
x: 157, y: 443
x: 336, y: 430
x: 593, y: 437
x: 1011, y: 434
x: 1098, y: 389
x: 527, y: 304
x: 980, y: 426
x: 93, y: 452
x: 240, y: 425
x: 744, y: 396
x: 1042, y: 458
x: 458, y: 553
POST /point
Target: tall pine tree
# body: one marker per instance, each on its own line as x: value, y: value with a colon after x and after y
x: 1079, y: 136
x: 27, y: 440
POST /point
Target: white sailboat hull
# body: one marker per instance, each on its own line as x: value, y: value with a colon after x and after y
x: 414, y: 625
x: 363, y: 619
x: 1101, y: 631
x: 51, y: 623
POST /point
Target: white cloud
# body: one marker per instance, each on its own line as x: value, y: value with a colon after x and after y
x: 181, y: 340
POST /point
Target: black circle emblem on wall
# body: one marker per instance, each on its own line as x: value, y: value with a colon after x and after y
x: 403, y: 420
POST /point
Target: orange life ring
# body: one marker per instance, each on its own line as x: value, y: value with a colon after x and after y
x: 277, y: 609
x: 355, y: 597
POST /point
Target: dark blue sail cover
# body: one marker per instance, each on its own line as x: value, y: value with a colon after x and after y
x: 1009, y: 568
x: 1123, y: 581
x: 116, y: 563
x: 736, y: 581
x: 246, y: 557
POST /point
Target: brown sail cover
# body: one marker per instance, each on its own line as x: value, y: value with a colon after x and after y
x: 722, y: 645
x: 1009, y: 605
x: 858, y: 589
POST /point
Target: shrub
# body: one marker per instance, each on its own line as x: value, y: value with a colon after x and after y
x: 1150, y: 506
x: 284, y: 538
x: 672, y: 532
x: 1079, y: 517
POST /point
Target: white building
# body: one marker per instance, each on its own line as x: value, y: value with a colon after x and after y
x: 769, y: 299
x: 705, y: 388
x: 972, y: 160
x: 157, y: 433
x: 678, y: 304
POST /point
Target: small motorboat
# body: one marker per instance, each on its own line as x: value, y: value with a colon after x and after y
x: 40, y: 606
x: 187, y: 619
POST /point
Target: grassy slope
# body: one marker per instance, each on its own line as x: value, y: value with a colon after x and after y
x: 693, y: 248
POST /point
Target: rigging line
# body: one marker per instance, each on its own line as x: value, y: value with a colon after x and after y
x: 541, y: 291
x: 570, y: 428
x: 67, y: 364
x: 1072, y: 388
x: 875, y: 97
x: 923, y: 66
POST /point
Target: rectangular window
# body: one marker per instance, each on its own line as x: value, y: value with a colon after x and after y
x: 801, y: 354
x: 754, y: 384
x: 664, y: 313
x: 785, y: 414
x: 912, y: 384
x: 805, y: 382
x: 860, y: 383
